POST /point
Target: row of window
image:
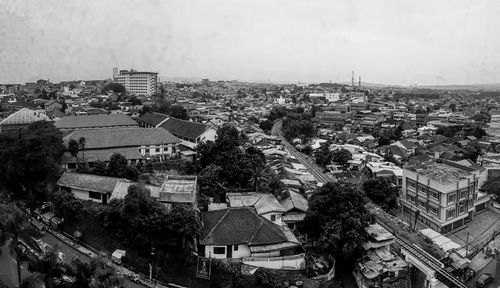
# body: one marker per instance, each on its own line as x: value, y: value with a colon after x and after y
x: 462, y: 208
x: 221, y: 250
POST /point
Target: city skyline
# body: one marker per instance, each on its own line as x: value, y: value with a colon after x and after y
x: 386, y: 42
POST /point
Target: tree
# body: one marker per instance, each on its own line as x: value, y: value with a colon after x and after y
x: 95, y: 274
x: 266, y: 125
x: 73, y: 148
x: 82, y: 142
x: 341, y: 156
x: 323, y: 155
x: 226, y: 275
x: 260, y: 175
x: 14, y: 225
x: 445, y: 131
x: 117, y: 166
x: 337, y: 217
x: 210, y: 185
x: 135, y: 101
x: 114, y: 87
x: 66, y: 204
x: 31, y: 158
x: 47, y: 271
x: 178, y: 112
x: 382, y: 192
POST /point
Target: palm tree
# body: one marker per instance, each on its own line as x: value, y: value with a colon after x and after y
x: 13, y: 225
x: 260, y: 175
x: 82, y: 141
x: 48, y: 271
x: 95, y: 274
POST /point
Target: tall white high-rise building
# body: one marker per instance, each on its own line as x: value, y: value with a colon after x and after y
x: 135, y: 82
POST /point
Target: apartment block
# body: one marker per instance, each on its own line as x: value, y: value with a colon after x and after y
x: 135, y: 82
x: 442, y: 194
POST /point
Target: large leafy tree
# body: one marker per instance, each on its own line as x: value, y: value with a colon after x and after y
x: 47, y: 271
x: 337, y: 217
x: 30, y: 158
x: 341, y: 156
x: 179, y: 112
x: 323, y: 155
x: 14, y: 226
x: 383, y: 192
x: 95, y: 274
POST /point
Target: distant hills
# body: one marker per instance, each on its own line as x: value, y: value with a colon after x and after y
x: 471, y: 87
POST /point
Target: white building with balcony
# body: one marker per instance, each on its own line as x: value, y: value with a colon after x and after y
x: 135, y: 82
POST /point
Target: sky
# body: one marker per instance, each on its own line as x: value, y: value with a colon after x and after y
x: 403, y: 42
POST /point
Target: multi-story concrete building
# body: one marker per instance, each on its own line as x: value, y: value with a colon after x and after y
x: 135, y: 82
x: 442, y: 194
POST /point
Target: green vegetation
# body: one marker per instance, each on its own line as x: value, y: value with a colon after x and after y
x: 383, y: 192
x: 337, y: 217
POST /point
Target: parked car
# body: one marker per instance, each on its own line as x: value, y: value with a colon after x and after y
x: 484, y: 280
x: 134, y: 278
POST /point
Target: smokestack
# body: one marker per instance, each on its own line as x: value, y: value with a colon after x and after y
x: 352, y: 79
x: 359, y: 83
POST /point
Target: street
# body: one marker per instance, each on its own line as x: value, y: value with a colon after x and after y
x: 8, y: 265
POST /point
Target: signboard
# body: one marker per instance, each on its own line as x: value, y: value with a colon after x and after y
x: 204, y: 268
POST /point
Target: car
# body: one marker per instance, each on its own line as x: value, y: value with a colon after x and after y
x: 134, y: 277
x: 484, y: 280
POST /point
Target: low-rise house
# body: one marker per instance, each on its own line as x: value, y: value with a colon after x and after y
x: 191, y: 133
x: 152, y: 120
x: 179, y: 189
x: 240, y: 233
x: 295, y: 206
x: 135, y: 144
x: 70, y: 123
x: 381, y: 267
x: 22, y: 119
x: 266, y: 205
x: 88, y: 187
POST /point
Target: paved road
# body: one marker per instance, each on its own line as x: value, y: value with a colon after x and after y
x: 70, y: 253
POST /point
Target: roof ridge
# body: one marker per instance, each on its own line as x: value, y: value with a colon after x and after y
x: 256, y: 230
x: 217, y: 224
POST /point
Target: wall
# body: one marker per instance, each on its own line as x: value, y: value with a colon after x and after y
x: 84, y: 195
x: 209, y: 135
x: 278, y: 220
x: 295, y: 262
x: 243, y: 251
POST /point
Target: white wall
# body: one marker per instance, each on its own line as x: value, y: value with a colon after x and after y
x: 278, y: 220
x: 294, y: 262
x: 243, y: 251
x: 84, y: 195
x: 208, y: 135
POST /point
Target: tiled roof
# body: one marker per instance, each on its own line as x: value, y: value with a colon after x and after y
x: 121, y: 190
x: 237, y: 226
x: 295, y: 201
x: 95, y: 121
x: 185, y: 129
x: 130, y: 153
x: 24, y: 116
x: 122, y: 137
x: 88, y: 182
x: 152, y: 118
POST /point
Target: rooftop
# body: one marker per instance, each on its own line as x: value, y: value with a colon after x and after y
x: 442, y: 171
x: 185, y: 129
x: 95, y: 121
x: 179, y: 189
x: 24, y: 116
x: 122, y: 137
x: 88, y: 182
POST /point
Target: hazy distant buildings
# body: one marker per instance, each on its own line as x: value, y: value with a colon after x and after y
x: 135, y: 82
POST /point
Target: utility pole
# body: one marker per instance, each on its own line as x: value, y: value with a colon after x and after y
x: 467, y: 245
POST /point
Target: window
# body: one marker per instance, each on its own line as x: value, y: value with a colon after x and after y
x: 421, y: 204
x: 220, y: 250
x: 273, y: 218
x: 433, y: 210
x: 411, y: 199
x: 450, y: 213
x: 451, y: 198
x: 157, y: 149
x: 463, y: 193
x: 461, y: 208
x: 95, y: 195
x: 235, y: 247
x: 434, y: 194
x: 411, y: 184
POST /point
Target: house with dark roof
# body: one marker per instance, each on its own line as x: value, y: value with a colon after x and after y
x: 100, y: 121
x: 241, y: 234
x: 88, y: 187
x: 191, y: 133
x: 152, y: 120
x: 135, y: 144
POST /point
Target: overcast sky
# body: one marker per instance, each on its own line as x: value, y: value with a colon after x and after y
x: 392, y: 42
